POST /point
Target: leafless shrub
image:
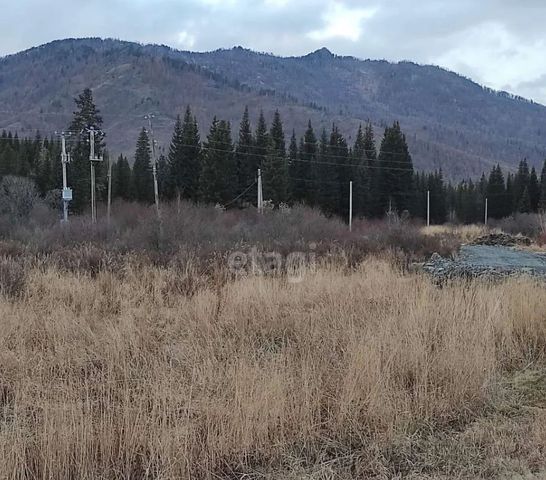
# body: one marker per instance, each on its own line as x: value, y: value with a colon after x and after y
x: 527, y: 224
x: 18, y: 196
x: 12, y: 278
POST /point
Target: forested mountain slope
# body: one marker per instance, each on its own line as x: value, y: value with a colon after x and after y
x: 450, y: 122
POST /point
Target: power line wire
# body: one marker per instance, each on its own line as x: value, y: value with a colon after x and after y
x: 239, y: 196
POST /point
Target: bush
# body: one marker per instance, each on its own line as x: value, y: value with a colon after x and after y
x: 527, y: 224
x: 12, y: 278
x: 18, y: 197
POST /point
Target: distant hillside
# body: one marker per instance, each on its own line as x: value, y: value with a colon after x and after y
x: 451, y: 122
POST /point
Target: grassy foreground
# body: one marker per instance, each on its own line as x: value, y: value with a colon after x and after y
x: 352, y: 373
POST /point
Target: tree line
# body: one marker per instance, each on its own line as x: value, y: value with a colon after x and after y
x: 314, y: 170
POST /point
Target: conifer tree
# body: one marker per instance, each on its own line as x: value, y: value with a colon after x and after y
x: 184, y: 162
x: 438, y: 208
x: 8, y: 163
x: 496, y: 193
x: 53, y: 149
x: 338, y: 154
x: 524, y: 205
x: 219, y: 171
x: 293, y: 157
x: 326, y: 182
x: 303, y: 172
x: 534, y: 190
x: 521, y: 182
x: 122, y: 179
x: 86, y: 116
x: 142, y: 170
x: 247, y: 162
x: 44, y: 177
x: 275, y: 171
x: 361, y: 178
x: 508, y: 201
x: 396, y: 172
x: 261, y: 141
x: 542, y: 200
x: 373, y: 208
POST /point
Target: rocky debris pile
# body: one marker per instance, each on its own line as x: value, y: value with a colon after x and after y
x: 503, y: 240
x: 488, y: 262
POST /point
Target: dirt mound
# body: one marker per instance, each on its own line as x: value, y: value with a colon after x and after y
x: 502, y: 240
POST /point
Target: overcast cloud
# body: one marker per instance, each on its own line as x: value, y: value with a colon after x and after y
x: 499, y: 43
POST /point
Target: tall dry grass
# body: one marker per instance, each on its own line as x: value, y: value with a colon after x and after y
x: 129, y: 376
x: 463, y: 233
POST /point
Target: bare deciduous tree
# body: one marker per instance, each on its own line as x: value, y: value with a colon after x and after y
x: 18, y: 196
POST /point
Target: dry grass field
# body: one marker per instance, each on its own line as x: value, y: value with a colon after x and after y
x: 367, y: 371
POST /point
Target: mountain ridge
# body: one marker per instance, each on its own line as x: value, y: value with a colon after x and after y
x: 451, y: 122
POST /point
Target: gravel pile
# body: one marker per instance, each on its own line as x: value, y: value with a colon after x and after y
x: 491, y: 262
x: 502, y: 239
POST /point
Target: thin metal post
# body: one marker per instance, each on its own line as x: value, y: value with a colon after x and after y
x: 486, y: 210
x: 154, y: 166
x: 428, y: 208
x: 109, y: 208
x: 260, y: 192
x: 92, y: 160
x: 350, y: 206
x: 93, y: 204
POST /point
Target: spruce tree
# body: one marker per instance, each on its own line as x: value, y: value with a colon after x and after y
x: 142, y: 170
x: 396, y: 172
x: 338, y: 154
x: 303, y: 172
x: 261, y: 141
x: 542, y: 200
x: 275, y: 171
x: 373, y: 208
x: 534, y: 190
x: 496, y: 193
x: 219, y: 171
x: 521, y: 182
x: 438, y: 207
x: 247, y: 162
x: 85, y: 117
x: 362, y: 182
x: 184, y: 163
x: 43, y: 180
x: 122, y: 179
x: 524, y: 205
x: 293, y: 157
x: 509, y: 194
x: 326, y: 182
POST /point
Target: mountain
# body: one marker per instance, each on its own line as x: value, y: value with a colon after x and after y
x: 450, y: 121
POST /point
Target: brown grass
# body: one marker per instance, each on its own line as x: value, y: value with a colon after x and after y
x: 463, y: 233
x: 350, y: 374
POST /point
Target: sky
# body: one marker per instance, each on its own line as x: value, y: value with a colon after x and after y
x: 498, y: 43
